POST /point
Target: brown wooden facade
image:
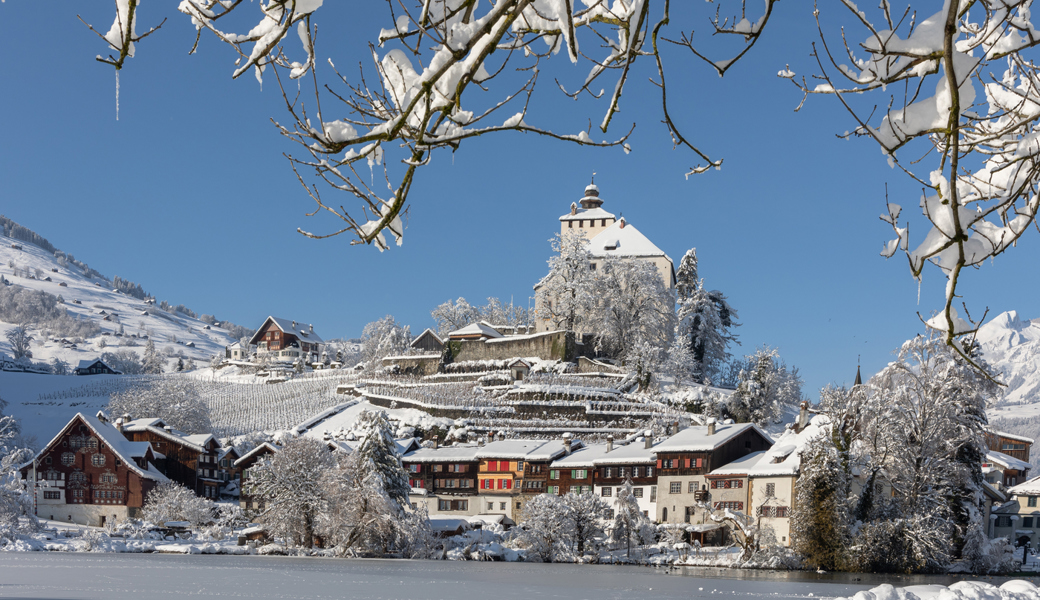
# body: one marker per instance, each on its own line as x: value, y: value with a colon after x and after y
x: 192, y: 465
x: 1012, y: 445
x: 87, y: 463
x: 454, y: 478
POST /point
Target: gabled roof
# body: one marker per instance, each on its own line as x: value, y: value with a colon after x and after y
x: 86, y: 364
x: 587, y: 213
x: 481, y: 329
x: 635, y: 453
x: 196, y: 442
x: 124, y: 449
x: 742, y: 466
x: 265, y: 447
x: 623, y: 239
x: 427, y: 333
x: 582, y: 457
x: 1011, y: 436
x: 696, y: 438
x: 297, y: 328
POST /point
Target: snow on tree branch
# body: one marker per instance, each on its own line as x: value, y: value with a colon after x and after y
x: 977, y: 156
x: 444, y: 72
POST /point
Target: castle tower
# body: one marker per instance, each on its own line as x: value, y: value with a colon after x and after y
x: 589, y: 218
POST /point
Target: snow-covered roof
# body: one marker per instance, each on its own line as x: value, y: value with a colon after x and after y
x: 524, y: 449
x: 265, y: 447
x: 784, y: 458
x: 87, y: 363
x: 741, y: 466
x: 442, y: 454
x: 1009, y: 462
x: 583, y: 457
x: 486, y: 519
x: 623, y: 239
x: 1028, y: 488
x: 301, y: 330
x: 696, y: 438
x: 445, y: 524
x: 476, y: 329
x: 196, y: 442
x: 635, y: 453
x: 124, y: 449
x: 587, y: 213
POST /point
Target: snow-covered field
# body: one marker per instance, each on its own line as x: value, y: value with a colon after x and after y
x: 133, y: 577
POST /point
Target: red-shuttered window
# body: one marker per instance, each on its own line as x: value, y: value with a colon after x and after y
x: 699, y: 462
x: 687, y: 463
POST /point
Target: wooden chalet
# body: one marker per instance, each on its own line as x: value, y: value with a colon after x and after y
x: 94, y: 367
x: 92, y: 475
x: 1015, y: 446
x: 288, y: 340
x: 190, y: 460
x: 243, y: 465
x: 513, y: 471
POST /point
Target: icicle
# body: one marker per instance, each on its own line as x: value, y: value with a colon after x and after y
x: 117, y: 94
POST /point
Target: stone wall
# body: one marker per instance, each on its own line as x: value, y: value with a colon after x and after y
x: 414, y: 365
x: 85, y: 514
x: 552, y: 345
x: 588, y: 365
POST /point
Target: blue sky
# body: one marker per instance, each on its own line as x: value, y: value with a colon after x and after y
x: 189, y: 194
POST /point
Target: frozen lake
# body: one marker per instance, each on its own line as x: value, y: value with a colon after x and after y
x: 152, y: 576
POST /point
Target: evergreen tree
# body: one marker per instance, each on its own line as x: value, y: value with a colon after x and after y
x: 765, y: 390
x: 383, y: 458
x: 820, y: 521
x: 152, y: 362
x: 629, y: 521
x: 703, y: 330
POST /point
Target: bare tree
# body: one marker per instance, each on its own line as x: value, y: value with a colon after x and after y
x: 20, y: 339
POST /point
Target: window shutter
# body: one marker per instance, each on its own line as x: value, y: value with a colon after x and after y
x: 699, y: 463
x: 688, y: 463
x: 659, y: 463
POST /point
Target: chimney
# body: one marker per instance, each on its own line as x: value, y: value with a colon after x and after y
x: 119, y: 424
x: 610, y: 443
x: 803, y: 415
x: 711, y: 426
x: 294, y: 324
x: 168, y: 429
x: 311, y: 327
x: 435, y: 443
x: 622, y: 223
x: 648, y: 439
x: 501, y: 436
x: 490, y: 436
x: 567, y: 443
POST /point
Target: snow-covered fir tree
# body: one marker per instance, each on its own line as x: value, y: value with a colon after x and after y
x: 152, y: 362
x: 629, y: 522
x: 704, y: 327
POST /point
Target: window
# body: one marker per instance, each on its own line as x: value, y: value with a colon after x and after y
x: 78, y: 477
x: 501, y: 506
x: 1032, y: 501
x: 554, y: 474
x: 621, y: 472
x: 1003, y: 521
x: 414, y: 468
x: 491, y: 506
x: 773, y: 511
x: 653, y: 493
x: 675, y: 487
x: 98, y: 460
x: 693, y: 487
x: 649, y: 471
x: 534, y: 485
x: 108, y: 478
x: 770, y: 490
x: 554, y: 489
x: 520, y: 466
x: 637, y: 492
x: 574, y: 489
x: 732, y: 505
x: 635, y: 472
x: 607, y: 472
x: 67, y: 458
x: 1027, y: 522
x: 579, y: 474
x: 607, y: 492
x: 51, y: 495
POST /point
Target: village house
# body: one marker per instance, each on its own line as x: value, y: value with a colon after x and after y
x: 243, y: 464
x: 1018, y: 519
x: 444, y: 479
x: 1007, y: 459
x: 635, y: 462
x: 507, y: 467
x: 427, y: 342
x: 94, y: 367
x: 287, y: 341
x: 90, y: 474
x: 574, y: 472
x: 190, y: 460
x: 685, y: 459
x: 238, y: 351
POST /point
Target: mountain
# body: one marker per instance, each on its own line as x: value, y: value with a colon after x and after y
x: 1011, y: 346
x: 75, y: 313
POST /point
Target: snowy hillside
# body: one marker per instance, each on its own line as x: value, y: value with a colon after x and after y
x: 122, y: 321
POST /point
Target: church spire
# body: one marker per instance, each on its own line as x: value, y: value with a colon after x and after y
x: 859, y: 380
x: 591, y: 199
